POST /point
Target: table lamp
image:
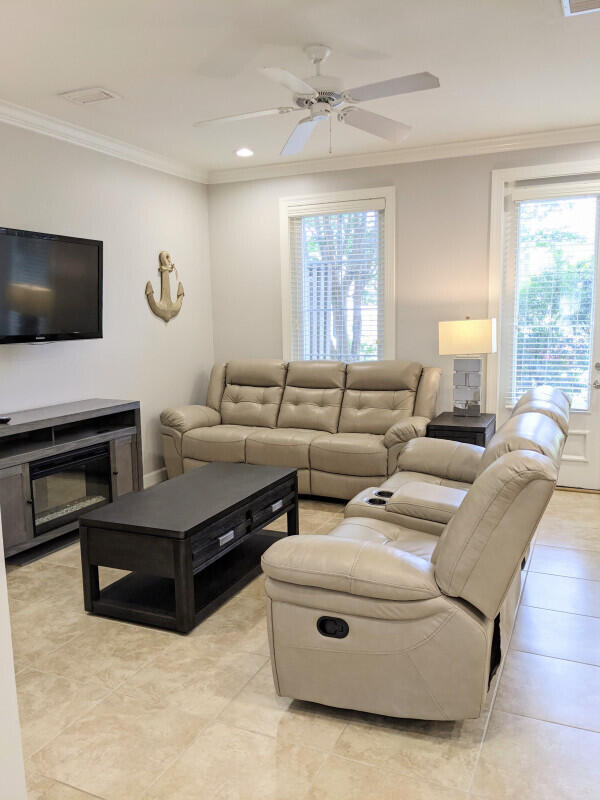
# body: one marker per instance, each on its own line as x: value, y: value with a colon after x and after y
x: 462, y: 338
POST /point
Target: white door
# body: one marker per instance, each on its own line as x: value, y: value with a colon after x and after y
x: 553, y: 234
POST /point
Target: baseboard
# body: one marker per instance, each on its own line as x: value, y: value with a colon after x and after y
x: 152, y: 478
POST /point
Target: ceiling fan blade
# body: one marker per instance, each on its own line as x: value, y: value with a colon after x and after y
x: 299, y: 137
x: 291, y: 82
x: 267, y: 112
x: 407, y: 83
x: 384, y: 127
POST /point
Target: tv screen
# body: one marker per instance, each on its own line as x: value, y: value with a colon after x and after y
x: 50, y: 287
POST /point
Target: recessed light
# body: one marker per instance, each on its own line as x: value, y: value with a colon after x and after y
x: 244, y: 152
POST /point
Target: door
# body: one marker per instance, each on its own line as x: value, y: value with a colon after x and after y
x: 552, y: 286
x: 16, y: 507
x: 123, y: 458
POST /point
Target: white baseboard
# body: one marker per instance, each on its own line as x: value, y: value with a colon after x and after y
x: 152, y: 478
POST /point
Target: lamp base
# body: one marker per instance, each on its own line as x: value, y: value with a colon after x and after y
x: 467, y: 387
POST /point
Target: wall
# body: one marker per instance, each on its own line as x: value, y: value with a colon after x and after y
x: 442, y: 240
x: 51, y: 186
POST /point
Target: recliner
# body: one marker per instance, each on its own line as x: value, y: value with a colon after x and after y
x: 388, y: 618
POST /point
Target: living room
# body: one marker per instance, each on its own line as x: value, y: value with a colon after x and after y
x: 241, y: 301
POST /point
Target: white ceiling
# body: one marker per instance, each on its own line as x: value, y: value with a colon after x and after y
x: 505, y: 66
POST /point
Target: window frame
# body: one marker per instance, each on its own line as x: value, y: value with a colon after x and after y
x: 501, y: 181
x: 327, y: 203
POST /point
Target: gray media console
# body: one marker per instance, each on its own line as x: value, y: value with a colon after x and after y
x: 61, y: 461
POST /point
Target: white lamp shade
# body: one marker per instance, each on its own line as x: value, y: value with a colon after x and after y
x: 466, y: 337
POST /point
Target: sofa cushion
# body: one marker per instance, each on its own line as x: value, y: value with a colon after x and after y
x: 530, y: 431
x: 251, y: 405
x: 399, y: 479
x: 365, y: 529
x: 219, y: 443
x: 313, y: 395
x: 349, y: 454
x: 378, y: 394
x: 253, y: 391
x: 256, y: 372
x: 280, y: 447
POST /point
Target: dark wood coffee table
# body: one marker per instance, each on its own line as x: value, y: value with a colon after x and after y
x: 189, y: 543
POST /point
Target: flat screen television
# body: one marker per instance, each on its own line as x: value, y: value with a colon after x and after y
x: 50, y: 287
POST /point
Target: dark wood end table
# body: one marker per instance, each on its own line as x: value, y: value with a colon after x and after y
x: 472, y: 430
x: 189, y: 543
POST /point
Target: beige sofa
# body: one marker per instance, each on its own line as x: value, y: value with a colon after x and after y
x: 382, y: 615
x: 342, y: 426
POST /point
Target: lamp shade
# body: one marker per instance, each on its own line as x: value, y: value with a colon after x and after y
x: 466, y: 337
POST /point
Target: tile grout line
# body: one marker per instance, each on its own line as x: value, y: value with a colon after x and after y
x: 562, y: 611
x: 556, y: 658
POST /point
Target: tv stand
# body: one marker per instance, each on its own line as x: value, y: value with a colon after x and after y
x: 100, y: 436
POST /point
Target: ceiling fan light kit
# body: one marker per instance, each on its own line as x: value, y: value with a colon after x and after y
x: 322, y: 94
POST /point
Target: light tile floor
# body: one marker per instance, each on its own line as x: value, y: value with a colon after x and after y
x: 117, y: 711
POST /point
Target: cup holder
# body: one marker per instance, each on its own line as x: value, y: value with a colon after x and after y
x: 376, y: 501
x: 383, y: 493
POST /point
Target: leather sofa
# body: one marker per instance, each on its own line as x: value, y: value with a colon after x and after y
x: 342, y: 426
x: 389, y: 616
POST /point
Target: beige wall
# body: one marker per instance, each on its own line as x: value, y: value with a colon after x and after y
x: 51, y: 186
x: 442, y: 239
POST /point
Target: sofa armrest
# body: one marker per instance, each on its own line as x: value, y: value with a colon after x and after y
x: 187, y: 417
x: 405, y: 430
x: 366, y: 569
x: 423, y: 500
x: 455, y: 461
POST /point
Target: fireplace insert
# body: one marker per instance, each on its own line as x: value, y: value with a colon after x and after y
x: 64, y: 486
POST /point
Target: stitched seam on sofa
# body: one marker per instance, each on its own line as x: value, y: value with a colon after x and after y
x: 350, y: 453
x: 427, y: 688
x: 505, y: 486
x: 274, y: 658
x: 447, y: 618
x: 408, y: 505
x: 362, y: 580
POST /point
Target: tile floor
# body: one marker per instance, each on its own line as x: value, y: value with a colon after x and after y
x: 101, y: 718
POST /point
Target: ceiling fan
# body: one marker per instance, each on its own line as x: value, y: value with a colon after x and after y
x: 322, y: 95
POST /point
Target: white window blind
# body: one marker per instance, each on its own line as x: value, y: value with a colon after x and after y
x: 550, y: 256
x: 337, y: 282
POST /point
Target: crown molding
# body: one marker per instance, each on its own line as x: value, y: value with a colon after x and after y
x: 21, y: 117
x: 473, y: 147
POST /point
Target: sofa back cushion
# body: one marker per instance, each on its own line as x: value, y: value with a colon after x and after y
x: 529, y: 431
x: 378, y: 394
x: 483, y: 544
x: 253, y: 391
x: 554, y: 403
x: 313, y: 395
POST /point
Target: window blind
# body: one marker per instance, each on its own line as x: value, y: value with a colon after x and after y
x: 337, y: 283
x: 550, y: 256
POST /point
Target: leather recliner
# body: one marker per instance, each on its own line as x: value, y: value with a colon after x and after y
x: 392, y: 619
x: 433, y: 475
x: 342, y: 426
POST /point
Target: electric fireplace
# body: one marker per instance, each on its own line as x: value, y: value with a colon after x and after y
x: 64, y: 486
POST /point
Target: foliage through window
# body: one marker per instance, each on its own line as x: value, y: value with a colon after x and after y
x: 337, y: 285
x: 554, y: 277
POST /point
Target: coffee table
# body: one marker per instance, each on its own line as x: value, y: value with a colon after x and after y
x: 189, y: 543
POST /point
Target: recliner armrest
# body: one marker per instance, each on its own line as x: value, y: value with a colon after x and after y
x: 423, y: 500
x: 405, y: 430
x: 366, y: 569
x: 455, y: 461
x: 186, y: 418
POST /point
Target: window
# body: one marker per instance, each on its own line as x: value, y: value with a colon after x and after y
x: 550, y: 259
x: 338, y: 298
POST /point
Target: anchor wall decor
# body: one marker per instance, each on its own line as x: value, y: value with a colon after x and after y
x: 165, y: 308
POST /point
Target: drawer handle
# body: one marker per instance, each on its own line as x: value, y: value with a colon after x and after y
x: 226, y: 537
x: 276, y: 506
